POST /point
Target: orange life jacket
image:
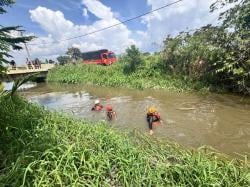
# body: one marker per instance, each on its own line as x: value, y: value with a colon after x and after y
x: 155, y: 115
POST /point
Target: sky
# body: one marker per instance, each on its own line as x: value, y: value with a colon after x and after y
x: 52, y: 21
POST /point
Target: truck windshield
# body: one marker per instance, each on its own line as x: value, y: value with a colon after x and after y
x: 104, y: 56
x: 111, y: 55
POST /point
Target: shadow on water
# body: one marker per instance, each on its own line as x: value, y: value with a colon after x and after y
x: 221, y: 121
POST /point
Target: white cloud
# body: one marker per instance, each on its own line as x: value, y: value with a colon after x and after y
x: 142, y: 33
x: 98, y: 9
x: 182, y: 16
x: 51, y: 21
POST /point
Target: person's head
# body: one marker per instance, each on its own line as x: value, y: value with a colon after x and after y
x: 97, y: 102
x: 109, y: 108
x: 152, y: 110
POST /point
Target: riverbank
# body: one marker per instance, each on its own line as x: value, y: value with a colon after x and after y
x: 114, y: 76
x: 44, y: 148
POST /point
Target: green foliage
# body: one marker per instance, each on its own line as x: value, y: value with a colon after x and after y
x: 4, y: 3
x: 132, y: 58
x: 1, y: 87
x: 148, y: 76
x: 42, y: 148
x: 74, y: 53
x: 237, y: 17
x: 217, y: 56
x: 237, y: 47
x: 63, y: 60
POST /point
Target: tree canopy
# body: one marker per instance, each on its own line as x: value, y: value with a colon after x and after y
x: 217, y: 55
x: 74, y: 53
x: 63, y: 60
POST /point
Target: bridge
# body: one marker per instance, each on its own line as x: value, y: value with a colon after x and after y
x: 17, y: 72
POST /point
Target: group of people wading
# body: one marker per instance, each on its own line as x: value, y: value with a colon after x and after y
x: 153, y: 117
x: 109, y: 109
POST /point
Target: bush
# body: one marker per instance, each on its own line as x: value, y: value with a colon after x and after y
x: 133, y: 59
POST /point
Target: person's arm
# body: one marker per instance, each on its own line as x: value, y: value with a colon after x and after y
x: 114, y: 113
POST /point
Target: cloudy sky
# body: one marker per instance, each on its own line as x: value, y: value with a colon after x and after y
x: 53, y: 20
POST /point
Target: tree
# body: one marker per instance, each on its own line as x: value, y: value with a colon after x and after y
x: 132, y: 58
x: 5, y: 3
x: 217, y: 55
x: 74, y: 53
x: 7, y: 41
x: 237, y: 47
x: 146, y: 54
x: 63, y: 60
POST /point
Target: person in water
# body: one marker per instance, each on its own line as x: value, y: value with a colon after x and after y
x: 97, y: 106
x: 111, y: 114
x: 153, y: 118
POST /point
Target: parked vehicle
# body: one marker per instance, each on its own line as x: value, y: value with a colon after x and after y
x: 102, y: 57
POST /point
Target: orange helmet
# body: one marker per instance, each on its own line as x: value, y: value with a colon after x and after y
x: 152, y: 109
x: 109, y: 108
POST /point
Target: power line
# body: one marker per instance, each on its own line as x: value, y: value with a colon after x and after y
x: 111, y: 26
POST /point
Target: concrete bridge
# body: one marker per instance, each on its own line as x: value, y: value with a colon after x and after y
x: 17, y: 72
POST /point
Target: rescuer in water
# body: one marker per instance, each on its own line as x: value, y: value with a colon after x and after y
x: 153, y: 118
x: 98, y: 106
x: 111, y: 114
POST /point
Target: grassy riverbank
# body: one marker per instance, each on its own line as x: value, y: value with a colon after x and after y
x: 114, y: 76
x: 42, y: 148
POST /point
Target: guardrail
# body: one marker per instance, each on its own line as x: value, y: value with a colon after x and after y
x: 29, y: 68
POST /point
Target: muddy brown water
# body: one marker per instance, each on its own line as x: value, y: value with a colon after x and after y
x: 191, y: 119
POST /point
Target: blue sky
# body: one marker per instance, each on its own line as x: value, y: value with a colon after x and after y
x: 54, y: 20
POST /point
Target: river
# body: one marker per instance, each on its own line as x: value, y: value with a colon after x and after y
x: 191, y: 119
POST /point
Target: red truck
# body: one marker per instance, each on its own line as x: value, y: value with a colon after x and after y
x: 102, y: 57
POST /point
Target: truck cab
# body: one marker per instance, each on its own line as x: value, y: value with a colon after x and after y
x: 102, y: 57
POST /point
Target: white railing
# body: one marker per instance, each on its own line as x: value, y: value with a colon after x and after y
x: 29, y: 68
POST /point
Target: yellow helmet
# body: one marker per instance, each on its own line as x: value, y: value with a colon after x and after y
x: 151, y: 109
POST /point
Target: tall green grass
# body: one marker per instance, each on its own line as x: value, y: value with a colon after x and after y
x: 42, y: 148
x: 145, y: 77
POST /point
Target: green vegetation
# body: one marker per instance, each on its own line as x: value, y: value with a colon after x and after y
x: 114, y: 76
x: 215, y: 55
x: 42, y: 148
x: 1, y: 87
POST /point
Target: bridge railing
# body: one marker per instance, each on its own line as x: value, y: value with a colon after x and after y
x: 29, y: 68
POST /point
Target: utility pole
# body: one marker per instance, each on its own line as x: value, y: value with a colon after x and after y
x: 27, y: 50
